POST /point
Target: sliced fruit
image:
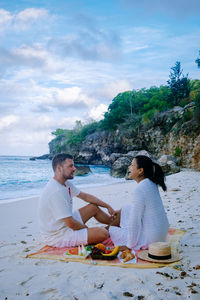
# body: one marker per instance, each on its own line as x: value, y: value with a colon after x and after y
x: 113, y: 253
x: 101, y: 247
x: 73, y: 251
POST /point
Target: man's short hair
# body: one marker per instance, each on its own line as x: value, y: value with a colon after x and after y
x: 59, y: 159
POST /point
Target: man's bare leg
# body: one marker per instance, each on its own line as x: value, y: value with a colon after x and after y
x: 92, y: 210
x: 95, y: 234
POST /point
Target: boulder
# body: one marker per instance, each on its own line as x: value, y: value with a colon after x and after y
x: 114, y: 157
x: 169, y: 164
x: 120, y: 166
x: 45, y: 156
x: 32, y: 158
x: 165, y: 158
x: 82, y: 170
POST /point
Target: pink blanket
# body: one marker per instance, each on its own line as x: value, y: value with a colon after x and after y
x: 49, y: 252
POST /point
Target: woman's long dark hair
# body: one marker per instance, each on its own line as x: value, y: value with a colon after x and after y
x: 151, y: 170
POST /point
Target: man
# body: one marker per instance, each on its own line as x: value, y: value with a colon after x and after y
x: 59, y: 225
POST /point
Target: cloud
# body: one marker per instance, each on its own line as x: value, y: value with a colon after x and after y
x: 23, y: 56
x: 26, y: 18
x: 71, y: 97
x: 5, y: 19
x: 96, y: 113
x: 29, y: 134
x: 17, y: 142
x: 36, y: 97
x: 87, y: 41
x: 140, y: 39
x: 8, y: 121
x: 34, y: 57
x: 109, y: 90
x: 7, y: 108
x: 31, y: 15
x: 60, y: 98
x: 23, y: 20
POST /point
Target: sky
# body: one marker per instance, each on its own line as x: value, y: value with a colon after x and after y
x: 65, y: 60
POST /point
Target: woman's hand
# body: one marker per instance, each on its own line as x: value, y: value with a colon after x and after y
x: 111, y: 211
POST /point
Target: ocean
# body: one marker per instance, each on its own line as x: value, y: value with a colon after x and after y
x: 21, y: 177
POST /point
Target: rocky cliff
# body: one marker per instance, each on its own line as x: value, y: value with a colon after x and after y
x: 173, y: 132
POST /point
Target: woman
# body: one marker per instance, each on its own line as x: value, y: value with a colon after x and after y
x: 144, y: 221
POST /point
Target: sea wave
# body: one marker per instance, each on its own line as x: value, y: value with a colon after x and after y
x: 21, y: 177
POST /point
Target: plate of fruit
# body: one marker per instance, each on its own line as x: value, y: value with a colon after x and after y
x: 99, y: 251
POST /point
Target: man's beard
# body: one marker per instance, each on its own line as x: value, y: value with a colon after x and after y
x: 68, y: 177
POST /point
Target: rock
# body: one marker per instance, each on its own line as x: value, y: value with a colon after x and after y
x: 168, y: 133
x: 165, y: 158
x: 82, y: 170
x: 120, y: 166
x: 115, y: 156
x: 45, y: 156
x: 131, y: 154
x: 168, y: 164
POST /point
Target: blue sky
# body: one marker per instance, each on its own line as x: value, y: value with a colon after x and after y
x: 62, y: 61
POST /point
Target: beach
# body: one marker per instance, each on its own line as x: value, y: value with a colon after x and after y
x: 25, y: 278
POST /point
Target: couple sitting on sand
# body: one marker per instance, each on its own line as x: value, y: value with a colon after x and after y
x: 137, y: 225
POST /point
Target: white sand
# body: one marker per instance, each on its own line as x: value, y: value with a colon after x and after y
x: 22, y: 278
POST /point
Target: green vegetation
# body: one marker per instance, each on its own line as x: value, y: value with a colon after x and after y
x: 66, y: 138
x: 179, y: 85
x: 198, y: 61
x: 136, y: 107
x: 197, y: 108
x: 177, y: 151
x: 132, y: 109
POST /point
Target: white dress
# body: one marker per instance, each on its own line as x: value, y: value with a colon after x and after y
x: 144, y: 221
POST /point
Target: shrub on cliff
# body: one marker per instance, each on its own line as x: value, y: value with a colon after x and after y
x: 197, y: 109
x: 68, y: 140
x: 136, y: 107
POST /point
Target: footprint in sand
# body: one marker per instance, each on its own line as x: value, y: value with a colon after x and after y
x: 25, y: 281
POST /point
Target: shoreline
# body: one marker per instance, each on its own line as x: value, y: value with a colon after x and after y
x: 82, y: 187
x: 23, y: 278
x: 86, y: 186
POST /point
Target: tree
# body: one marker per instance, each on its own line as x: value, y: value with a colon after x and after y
x: 58, y: 132
x: 179, y: 84
x: 121, y: 107
x: 78, y: 126
x: 197, y: 61
x: 195, y: 89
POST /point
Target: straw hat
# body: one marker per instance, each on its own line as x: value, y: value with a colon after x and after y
x: 159, y: 252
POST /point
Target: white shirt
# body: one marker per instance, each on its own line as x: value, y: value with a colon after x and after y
x: 55, y: 204
x: 148, y: 222
x: 144, y: 221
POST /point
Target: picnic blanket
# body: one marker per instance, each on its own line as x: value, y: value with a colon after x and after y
x: 49, y: 252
